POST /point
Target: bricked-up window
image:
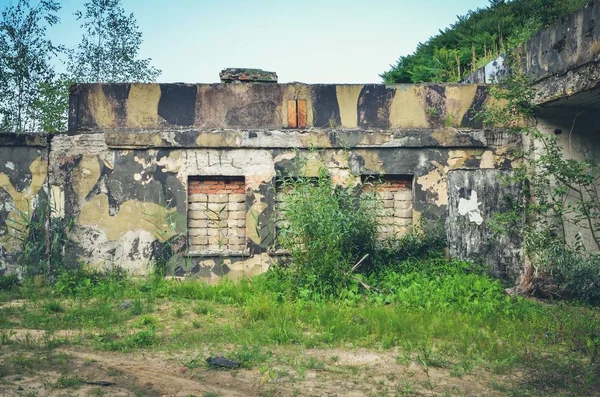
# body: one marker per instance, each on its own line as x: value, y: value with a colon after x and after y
x: 395, y: 193
x: 217, y: 214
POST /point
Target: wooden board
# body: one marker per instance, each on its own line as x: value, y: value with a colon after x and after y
x: 301, y: 105
x: 292, y: 115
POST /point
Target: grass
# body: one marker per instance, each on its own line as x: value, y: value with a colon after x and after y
x: 442, y: 316
x: 250, y: 356
x: 68, y: 381
x: 114, y: 341
x: 203, y: 308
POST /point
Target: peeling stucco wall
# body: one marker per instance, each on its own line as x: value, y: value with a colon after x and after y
x: 122, y: 172
x: 476, y: 198
x: 23, y: 180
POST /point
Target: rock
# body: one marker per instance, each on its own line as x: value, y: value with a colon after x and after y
x: 511, y: 291
x: 238, y: 75
x: 220, y: 361
x: 126, y: 304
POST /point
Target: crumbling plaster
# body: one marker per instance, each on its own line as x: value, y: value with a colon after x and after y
x: 122, y: 199
x: 23, y: 173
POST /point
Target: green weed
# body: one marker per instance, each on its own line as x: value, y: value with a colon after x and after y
x: 114, y: 372
x: 313, y: 363
x: 178, y: 312
x: 5, y: 316
x: 114, y: 342
x: 52, y: 307
x: 42, y: 247
x: 67, y: 381
x: 9, y: 282
x: 203, y: 308
x: 250, y: 357
x: 148, y: 321
x: 82, y: 314
x: 196, y: 362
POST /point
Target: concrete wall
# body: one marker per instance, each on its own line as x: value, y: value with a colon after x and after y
x: 476, y: 198
x: 122, y: 174
x: 491, y: 73
x: 567, y: 44
x: 562, y: 60
x: 266, y: 106
x: 23, y: 177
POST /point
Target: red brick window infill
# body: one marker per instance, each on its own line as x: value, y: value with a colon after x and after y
x: 216, y: 214
x: 395, y: 194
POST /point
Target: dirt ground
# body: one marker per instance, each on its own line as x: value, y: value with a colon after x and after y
x: 340, y: 372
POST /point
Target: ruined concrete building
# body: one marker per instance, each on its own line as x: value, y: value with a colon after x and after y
x: 193, y: 167
x: 144, y: 163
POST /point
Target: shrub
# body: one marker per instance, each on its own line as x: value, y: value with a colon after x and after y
x: 328, y: 229
x: 576, y: 273
x: 9, y: 281
x: 558, y: 191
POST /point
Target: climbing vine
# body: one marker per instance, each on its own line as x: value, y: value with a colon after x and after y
x: 561, y: 196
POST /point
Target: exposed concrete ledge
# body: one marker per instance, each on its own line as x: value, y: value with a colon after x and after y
x: 565, y: 45
x: 23, y: 139
x: 562, y: 60
x: 313, y: 138
x: 564, y: 85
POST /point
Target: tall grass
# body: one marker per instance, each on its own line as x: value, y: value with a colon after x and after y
x: 43, y: 238
x: 435, y: 309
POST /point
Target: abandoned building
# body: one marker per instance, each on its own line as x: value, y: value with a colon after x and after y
x: 195, y: 166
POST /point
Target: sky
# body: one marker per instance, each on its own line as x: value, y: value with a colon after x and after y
x: 311, y: 41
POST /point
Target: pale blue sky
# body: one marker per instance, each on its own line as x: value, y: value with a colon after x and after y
x: 327, y: 41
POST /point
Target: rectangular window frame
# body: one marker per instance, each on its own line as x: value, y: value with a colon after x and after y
x: 212, y: 225
x: 398, y: 205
